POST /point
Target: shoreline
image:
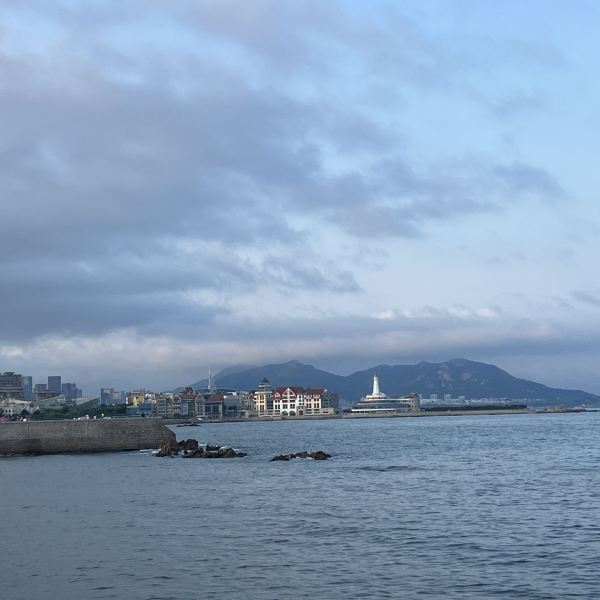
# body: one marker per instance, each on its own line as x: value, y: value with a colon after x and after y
x: 341, y: 416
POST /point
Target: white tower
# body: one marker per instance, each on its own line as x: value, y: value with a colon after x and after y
x: 376, y: 395
x: 375, y: 385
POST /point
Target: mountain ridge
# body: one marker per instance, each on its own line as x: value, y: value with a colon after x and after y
x: 458, y: 377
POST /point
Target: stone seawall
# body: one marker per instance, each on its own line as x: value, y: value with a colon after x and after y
x: 101, y: 435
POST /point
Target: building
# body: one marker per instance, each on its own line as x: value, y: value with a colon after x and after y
x: 165, y: 407
x: 11, y: 385
x: 71, y: 391
x: 238, y: 401
x: 14, y: 408
x: 106, y: 396
x: 462, y: 401
x: 330, y: 401
x: 55, y: 383
x: 292, y: 401
x: 214, y: 407
x: 296, y: 401
x: 287, y: 401
x: 319, y: 401
x: 189, y: 404
x: 262, y: 399
x: 220, y: 404
x: 136, y: 397
x: 110, y: 396
x: 41, y: 392
x: 47, y: 399
x: 87, y: 402
x: 28, y: 387
x: 379, y: 403
x: 237, y: 404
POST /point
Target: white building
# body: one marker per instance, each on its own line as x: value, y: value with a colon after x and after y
x: 379, y: 403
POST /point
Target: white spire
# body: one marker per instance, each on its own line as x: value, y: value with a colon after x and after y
x: 375, y: 385
x: 376, y: 395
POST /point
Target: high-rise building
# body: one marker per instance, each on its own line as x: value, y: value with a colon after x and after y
x: 106, y: 396
x: 55, y: 383
x: 70, y: 391
x: 28, y: 388
x: 11, y: 385
x: 41, y: 391
x: 111, y: 396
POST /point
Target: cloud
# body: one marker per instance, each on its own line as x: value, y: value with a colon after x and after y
x: 519, y: 178
x: 162, y: 165
x: 129, y: 358
x: 586, y: 298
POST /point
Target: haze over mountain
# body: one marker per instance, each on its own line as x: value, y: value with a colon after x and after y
x: 458, y: 377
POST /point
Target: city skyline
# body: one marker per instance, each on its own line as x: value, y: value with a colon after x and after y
x: 199, y: 184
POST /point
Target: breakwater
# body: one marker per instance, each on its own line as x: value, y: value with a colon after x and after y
x: 102, y: 435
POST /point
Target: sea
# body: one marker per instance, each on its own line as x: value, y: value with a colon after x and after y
x: 438, y: 507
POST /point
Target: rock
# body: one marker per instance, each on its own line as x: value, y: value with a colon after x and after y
x: 318, y: 455
x: 191, y: 449
x: 169, y: 448
x: 197, y: 453
x: 189, y: 444
x: 281, y: 457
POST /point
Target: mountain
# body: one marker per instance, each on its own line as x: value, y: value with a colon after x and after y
x: 458, y: 377
x: 461, y: 377
x: 289, y: 373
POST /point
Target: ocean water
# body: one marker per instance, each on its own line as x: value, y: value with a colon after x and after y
x: 438, y: 507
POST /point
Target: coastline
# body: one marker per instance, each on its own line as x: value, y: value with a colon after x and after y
x: 438, y: 413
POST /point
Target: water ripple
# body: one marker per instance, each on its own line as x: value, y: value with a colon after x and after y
x: 480, y: 508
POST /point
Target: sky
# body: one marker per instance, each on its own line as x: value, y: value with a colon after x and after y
x: 190, y: 184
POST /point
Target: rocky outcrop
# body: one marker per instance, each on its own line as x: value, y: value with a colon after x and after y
x: 192, y: 449
x: 190, y: 444
x: 318, y: 455
x: 170, y: 448
x: 213, y: 452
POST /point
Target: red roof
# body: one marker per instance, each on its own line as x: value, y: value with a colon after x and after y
x: 295, y: 389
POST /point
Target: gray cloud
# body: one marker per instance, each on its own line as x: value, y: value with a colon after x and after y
x: 158, y: 162
x: 520, y: 178
x: 586, y: 298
